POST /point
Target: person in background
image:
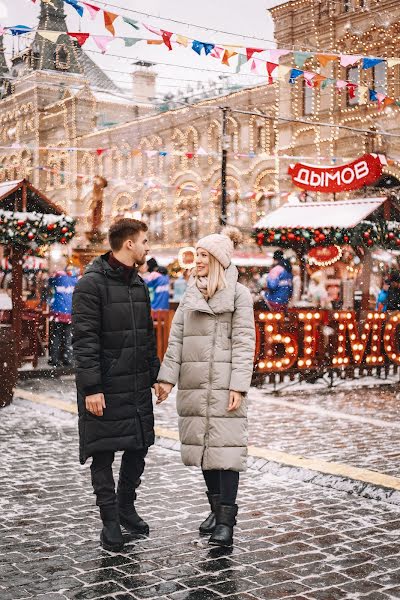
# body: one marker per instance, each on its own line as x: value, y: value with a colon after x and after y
x: 297, y: 286
x: 317, y: 293
x: 180, y: 285
x: 159, y: 282
x: 393, y: 299
x: 382, y: 298
x: 62, y: 286
x: 279, y: 283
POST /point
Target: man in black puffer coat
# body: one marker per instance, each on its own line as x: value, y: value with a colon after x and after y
x: 116, y: 366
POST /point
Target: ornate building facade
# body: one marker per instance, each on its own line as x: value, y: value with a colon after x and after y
x: 69, y: 123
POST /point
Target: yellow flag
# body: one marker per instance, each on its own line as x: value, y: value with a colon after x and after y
x: 182, y: 40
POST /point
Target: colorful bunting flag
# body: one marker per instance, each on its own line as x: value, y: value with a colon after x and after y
x: 80, y: 37
x: 52, y: 36
x: 276, y: 54
x: 227, y: 55
x: 348, y: 60
x: 152, y: 29
x: 130, y: 41
x: 100, y: 151
x: 92, y: 10
x: 368, y: 63
x: 131, y: 22
x: 78, y: 7
x: 373, y: 95
x: 102, y: 42
x: 242, y: 60
x: 362, y: 94
x: 294, y: 74
x: 392, y: 62
x: 270, y: 69
x: 166, y: 36
x: 251, y: 51
x: 217, y: 52
x: 109, y: 19
x: 325, y: 59
x: 19, y: 29
x: 341, y: 84
x: 155, y: 42
x: 182, y: 40
x: 352, y: 87
x: 300, y: 58
x: 199, y: 46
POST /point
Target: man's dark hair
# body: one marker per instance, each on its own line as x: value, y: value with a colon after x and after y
x: 124, y: 229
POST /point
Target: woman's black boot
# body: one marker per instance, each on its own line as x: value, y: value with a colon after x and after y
x: 128, y: 516
x: 226, y: 520
x: 111, y: 536
x: 208, y: 526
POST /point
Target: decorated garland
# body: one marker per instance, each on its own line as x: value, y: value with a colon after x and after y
x: 34, y: 229
x: 365, y: 235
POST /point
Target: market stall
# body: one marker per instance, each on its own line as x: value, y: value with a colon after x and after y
x: 28, y: 221
x: 311, y: 340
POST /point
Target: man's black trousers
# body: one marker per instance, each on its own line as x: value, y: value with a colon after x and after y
x: 132, y: 467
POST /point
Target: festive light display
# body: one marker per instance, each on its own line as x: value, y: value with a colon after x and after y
x: 357, y: 343
x: 34, y: 229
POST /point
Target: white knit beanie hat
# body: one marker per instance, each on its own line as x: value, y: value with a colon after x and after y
x: 221, y: 245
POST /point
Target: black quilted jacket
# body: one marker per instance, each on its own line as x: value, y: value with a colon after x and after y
x: 115, y: 353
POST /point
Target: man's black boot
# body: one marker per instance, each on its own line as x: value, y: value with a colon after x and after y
x: 226, y: 520
x: 208, y: 525
x: 111, y: 536
x: 128, y: 516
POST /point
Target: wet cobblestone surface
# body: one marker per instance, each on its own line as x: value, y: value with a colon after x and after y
x: 336, y: 431
x: 293, y: 540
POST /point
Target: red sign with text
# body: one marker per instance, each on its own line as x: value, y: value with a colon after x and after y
x: 363, y: 171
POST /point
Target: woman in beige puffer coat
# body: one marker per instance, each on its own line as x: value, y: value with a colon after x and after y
x: 210, y: 356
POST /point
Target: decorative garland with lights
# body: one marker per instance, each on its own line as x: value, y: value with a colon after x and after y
x: 34, y: 229
x: 364, y: 235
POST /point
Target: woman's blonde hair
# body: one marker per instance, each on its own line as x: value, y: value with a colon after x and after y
x: 216, y: 279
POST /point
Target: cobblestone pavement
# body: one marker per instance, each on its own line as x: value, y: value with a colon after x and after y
x: 293, y: 540
x: 359, y: 427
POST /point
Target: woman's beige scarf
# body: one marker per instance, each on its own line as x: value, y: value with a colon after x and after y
x: 202, y: 284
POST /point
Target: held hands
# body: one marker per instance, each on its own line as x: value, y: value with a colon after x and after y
x: 162, y: 391
x: 95, y: 404
x: 235, y: 400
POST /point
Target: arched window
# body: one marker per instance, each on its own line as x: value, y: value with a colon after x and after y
x: 153, y: 214
x: 187, y: 207
x: 62, y: 57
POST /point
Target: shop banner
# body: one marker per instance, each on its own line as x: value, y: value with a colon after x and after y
x: 363, y: 171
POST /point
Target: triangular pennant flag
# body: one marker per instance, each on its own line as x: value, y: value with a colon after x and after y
x: 155, y: 42
x: 352, y: 87
x: 270, y: 69
x: 92, y: 10
x: 340, y: 84
x: 217, y: 52
x: 182, y: 40
x: 300, y: 58
x: 78, y: 7
x: 251, y: 51
x: 327, y: 81
x: 392, y: 62
x: 80, y: 37
x: 368, y: 62
x: 254, y: 66
x: 19, y: 29
x: 388, y: 101
x: 380, y: 97
x: 347, y: 60
x: 362, y: 94
x: 130, y: 41
x: 101, y: 42
x: 109, y: 19
x: 294, y: 74
x: 242, y: 60
x: 284, y: 70
x: 199, y: 46
x: 373, y: 95
x: 130, y: 22
x: 325, y: 59
x: 100, y: 151
x: 318, y: 80
x: 275, y: 54
x: 201, y: 152
x: 166, y: 36
x: 227, y: 55
x: 152, y: 29
x: 309, y: 76
x: 52, y: 36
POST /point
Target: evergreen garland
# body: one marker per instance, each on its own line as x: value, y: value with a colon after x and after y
x: 34, y: 229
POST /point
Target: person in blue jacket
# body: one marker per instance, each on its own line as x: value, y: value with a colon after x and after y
x: 279, y: 288
x: 159, y: 283
x: 382, y: 299
x: 62, y: 285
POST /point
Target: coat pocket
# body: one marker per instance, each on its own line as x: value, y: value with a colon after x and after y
x: 224, y: 340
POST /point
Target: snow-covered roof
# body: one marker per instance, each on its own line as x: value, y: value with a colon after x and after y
x: 340, y: 214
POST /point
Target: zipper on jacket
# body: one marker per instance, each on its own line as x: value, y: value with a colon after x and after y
x: 134, y: 340
x: 206, y: 438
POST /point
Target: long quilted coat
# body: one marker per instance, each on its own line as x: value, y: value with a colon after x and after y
x: 115, y: 353
x: 211, y: 351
